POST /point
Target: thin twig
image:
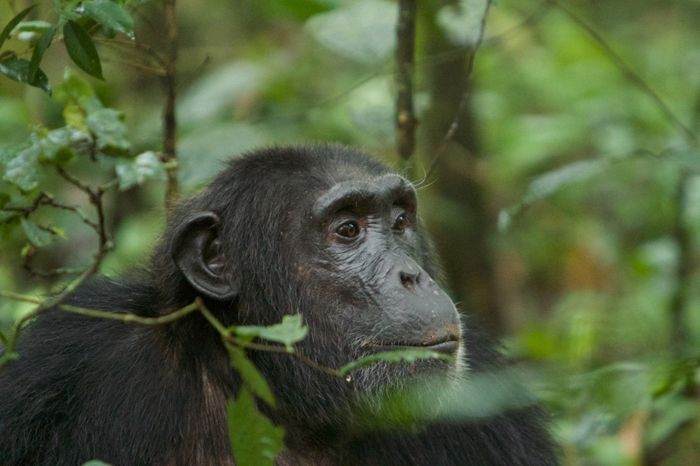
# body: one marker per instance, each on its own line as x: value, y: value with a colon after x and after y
x: 128, y: 317
x: 227, y: 337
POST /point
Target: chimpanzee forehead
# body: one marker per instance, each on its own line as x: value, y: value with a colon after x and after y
x: 386, y: 188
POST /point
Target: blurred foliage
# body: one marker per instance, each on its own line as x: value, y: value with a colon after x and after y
x: 591, y: 177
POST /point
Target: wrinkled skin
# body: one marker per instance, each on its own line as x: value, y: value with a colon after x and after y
x: 323, y: 231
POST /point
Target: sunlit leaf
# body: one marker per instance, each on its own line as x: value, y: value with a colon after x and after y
x: 252, y: 378
x: 81, y: 49
x: 96, y: 463
x: 408, y: 355
x: 12, y: 23
x: 289, y: 331
x: 255, y: 441
x: 110, y: 15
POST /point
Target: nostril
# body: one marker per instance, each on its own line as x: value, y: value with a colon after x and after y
x: 408, y: 280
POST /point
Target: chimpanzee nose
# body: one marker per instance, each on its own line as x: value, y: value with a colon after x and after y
x: 409, y: 279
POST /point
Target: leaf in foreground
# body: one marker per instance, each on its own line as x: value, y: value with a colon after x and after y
x: 255, y: 440
x: 408, y: 355
x: 252, y: 378
x: 289, y: 331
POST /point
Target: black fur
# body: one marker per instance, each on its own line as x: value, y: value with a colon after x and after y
x: 127, y: 394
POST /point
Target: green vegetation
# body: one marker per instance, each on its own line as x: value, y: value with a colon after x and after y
x: 559, y: 177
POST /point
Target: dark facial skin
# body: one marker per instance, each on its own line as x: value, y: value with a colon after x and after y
x: 368, y: 237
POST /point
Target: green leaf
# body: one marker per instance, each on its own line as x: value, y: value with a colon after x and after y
x: 110, y: 15
x: 362, y: 30
x: 145, y: 166
x: 408, y: 355
x: 550, y: 183
x: 255, y: 440
x: 36, y: 235
x: 12, y: 23
x: 17, y: 68
x: 252, y: 378
x: 288, y: 332
x: 96, y: 463
x: 23, y: 170
x: 81, y: 49
x: 44, y: 42
x: 109, y: 130
x: 57, y: 146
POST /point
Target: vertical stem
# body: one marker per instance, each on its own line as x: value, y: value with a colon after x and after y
x: 405, y: 117
x: 169, y: 121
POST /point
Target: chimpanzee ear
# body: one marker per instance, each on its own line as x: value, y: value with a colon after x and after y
x: 196, y: 249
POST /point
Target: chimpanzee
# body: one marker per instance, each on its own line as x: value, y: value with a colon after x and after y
x: 324, y: 231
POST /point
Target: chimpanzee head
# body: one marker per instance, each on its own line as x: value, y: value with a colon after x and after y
x: 327, y: 232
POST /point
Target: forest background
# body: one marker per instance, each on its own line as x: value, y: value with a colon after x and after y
x: 556, y: 154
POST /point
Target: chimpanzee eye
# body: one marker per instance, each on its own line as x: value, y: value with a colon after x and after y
x: 348, y: 229
x: 401, y: 222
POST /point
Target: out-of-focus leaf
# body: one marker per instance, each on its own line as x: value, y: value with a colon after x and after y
x: 145, y: 166
x: 363, y: 30
x: 549, y: 183
x: 110, y: 15
x: 23, y: 170
x: 221, y: 89
x: 81, y: 49
x: 57, y: 146
x: 96, y: 463
x: 78, y: 99
x: 481, y: 395
x: 109, y: 130
x: 12, y: 23
x: 17, y: 68
x: 462, y: 21
x: 255, y: 441
x: 36, y: 26
x: 289, y: 331
x: 33, y: 72
x: 676, y: 411
x: 201, y: 152
x: 36, y: 235
x: 252, y: 378
x: 408, y: 355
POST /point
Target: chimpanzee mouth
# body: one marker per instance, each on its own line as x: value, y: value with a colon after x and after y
x: 448, y: 347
